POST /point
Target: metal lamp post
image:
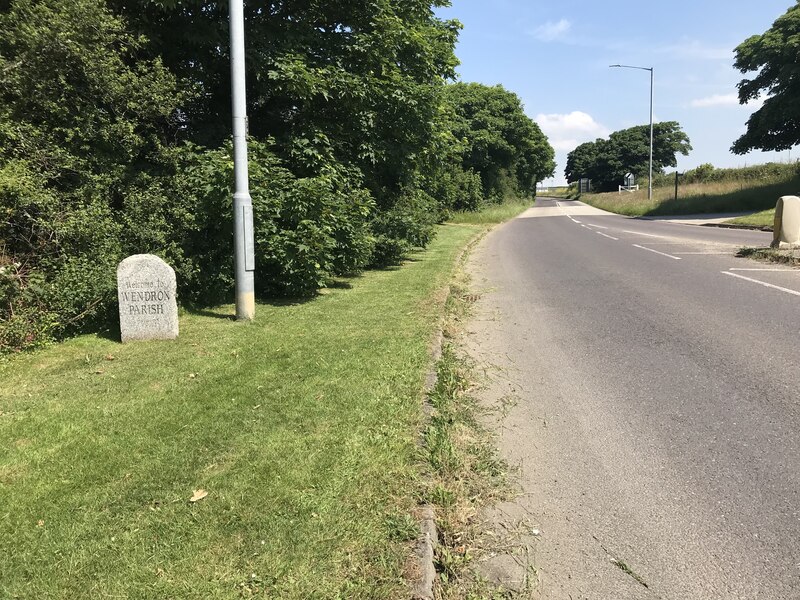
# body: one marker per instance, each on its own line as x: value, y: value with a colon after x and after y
x: 244, y: 255
x: 650, y: 180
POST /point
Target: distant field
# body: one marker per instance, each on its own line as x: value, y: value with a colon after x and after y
x: 555, y: 192
x: 751, y: 189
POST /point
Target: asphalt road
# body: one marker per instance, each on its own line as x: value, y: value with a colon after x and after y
x: 650, y: 385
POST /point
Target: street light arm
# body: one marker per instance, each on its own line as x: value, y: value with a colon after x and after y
x: 652, y: 72
x: 631, y: 67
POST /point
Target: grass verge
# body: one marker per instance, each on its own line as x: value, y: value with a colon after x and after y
x: 765, y: 218
x: 466, y: 474
x: 299, y: 426
x: 786, y: 256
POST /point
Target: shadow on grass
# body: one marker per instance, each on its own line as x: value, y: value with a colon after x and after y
x: 224, y: 311
x: 751, y: 199
x: 112, y: 334
x: 214, y: 313
x: 339, y: 284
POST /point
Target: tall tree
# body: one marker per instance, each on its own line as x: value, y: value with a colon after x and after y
x: 581, y: 161
x: 502, y: 144
x: 355, y: 81
x: 774, y: 56
x: 606, y: 162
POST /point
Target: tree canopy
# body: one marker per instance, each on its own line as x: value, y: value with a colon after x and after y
x: 355, y: 81
x: 774, y: 56
x: 114, y: 140
x: 501, y: 143
x: 606, y: 162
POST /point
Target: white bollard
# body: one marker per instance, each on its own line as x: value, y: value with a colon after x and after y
x: 786, y: 230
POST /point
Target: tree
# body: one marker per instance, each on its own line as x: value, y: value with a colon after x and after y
x: 775, y: 57
x: 581, y: 161
x: 606, y: 162
x: 114, y: 117
x: 501, y: 143
x: 336, y: 86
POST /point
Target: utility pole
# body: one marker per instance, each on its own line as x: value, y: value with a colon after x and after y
x: 650, y: 181
x: 244, y: 254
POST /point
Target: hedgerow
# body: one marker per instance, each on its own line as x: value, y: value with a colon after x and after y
x: 114, y: 141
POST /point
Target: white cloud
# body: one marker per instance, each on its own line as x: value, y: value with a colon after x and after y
x: 566, y: 131
x: 716, y: 100
x: 723, y: 100
x: 695, y: 50
x: 551, y: 31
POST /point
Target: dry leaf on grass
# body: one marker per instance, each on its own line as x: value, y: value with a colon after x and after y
x: 198, y: 495
x: 192, y: 375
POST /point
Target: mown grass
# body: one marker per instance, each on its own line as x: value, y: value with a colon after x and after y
x: 301, y: 426
x: 491, y: 213
x: 697, y: 198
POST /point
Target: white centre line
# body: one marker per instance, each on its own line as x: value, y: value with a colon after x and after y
x: 657, y: 252
x: 606, y: 235
x: 645, y: 234
x: 764, y: 283
x: 575, y: 220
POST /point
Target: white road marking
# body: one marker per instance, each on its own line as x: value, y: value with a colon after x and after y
x: 606, y: 235
x: 764, y: 283
x: 575, y: 220
x: 645, y: 234
x: 775, y: 270
x: 598, y: 226
x: 657, y: 252
x: 706, y: 253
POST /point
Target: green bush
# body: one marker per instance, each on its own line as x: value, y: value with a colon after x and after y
x: 307, y: 230
x: 84, y: 165
x: 408, y: 224
x: 456, y: 189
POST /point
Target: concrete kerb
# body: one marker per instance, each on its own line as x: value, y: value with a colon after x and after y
x: 422, y: 588
x: 425, y: 548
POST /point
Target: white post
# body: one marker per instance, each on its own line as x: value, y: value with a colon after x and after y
x: 650, y: 180
x: 244, y: 256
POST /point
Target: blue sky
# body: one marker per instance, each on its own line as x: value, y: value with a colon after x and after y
x: 556, y: 57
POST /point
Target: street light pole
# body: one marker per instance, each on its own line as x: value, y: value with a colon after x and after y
x: 244, y: 255
x: 650, y: 180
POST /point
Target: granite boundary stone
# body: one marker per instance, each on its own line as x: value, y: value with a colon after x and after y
x: 148, y: 309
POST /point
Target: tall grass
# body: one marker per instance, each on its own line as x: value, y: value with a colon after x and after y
x: 491, y: 213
